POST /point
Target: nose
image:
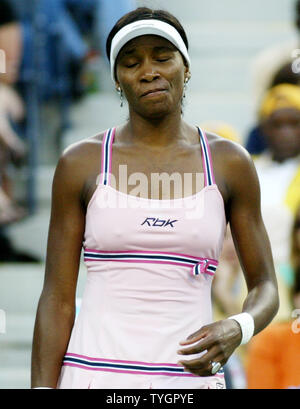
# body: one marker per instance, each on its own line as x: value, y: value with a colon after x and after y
x: 149, y: 72
x: 149, y: 76
x: 288, y: 133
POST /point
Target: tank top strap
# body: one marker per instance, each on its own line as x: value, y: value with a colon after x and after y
x: 106, y: 156
x: 209, y: 178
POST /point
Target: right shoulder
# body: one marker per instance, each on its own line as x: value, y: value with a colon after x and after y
x: 79, y: 160
x: 82, y: 153
x: 82, y: 150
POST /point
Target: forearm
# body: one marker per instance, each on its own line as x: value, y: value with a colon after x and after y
x: 52, y: 331
x: 262, y: 303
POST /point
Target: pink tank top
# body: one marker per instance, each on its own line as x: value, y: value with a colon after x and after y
x: 150, y: 264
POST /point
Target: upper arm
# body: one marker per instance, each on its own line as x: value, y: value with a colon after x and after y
x: 66, y: 230
x: 246, y: 223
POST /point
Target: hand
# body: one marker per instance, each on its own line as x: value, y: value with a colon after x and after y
x: 10, y: 139
x: 9, y: 211
x: 215, y: 341
x: 11, y: 103
x: 11, y: 106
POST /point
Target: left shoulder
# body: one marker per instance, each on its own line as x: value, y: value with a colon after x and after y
x: 231, y: 160
x: 227, y: 149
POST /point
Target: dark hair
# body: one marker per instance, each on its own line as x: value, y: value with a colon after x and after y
x: 144, y: 13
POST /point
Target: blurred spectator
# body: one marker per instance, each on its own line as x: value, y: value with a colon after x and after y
x: 11, y: 105
x: 47, y: 46
x: 269, y: 62
x: 276, y: 349
x: 278, y: 171
x: 10, y: 30
x: 62, y: 39
x: 12, y: 148
x: 273, y: 66
x: 65, y: 32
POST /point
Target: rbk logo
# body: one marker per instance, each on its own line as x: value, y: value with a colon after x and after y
x: 152, y: 221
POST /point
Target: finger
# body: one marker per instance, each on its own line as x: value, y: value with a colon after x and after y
x: 201, y: 346
x: 203, y: 372
x: 196, y: 336
x: 220, y: 360
x: 200, y: 362
x: 203, y: 368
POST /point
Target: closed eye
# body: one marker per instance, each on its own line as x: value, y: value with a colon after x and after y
x: 163, y: 59
x: 131, y: 65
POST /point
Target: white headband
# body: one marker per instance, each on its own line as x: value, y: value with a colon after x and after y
x: 146, y: 27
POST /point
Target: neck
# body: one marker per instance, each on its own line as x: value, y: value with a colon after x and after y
x: 156, y: 133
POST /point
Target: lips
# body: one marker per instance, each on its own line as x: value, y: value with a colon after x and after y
x: 153, y: 91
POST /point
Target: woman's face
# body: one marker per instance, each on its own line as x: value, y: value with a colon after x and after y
x: 282, y: 130
x: 151, y: 73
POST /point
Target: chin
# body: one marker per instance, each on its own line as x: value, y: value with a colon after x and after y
x: 157, y: 115
x: 158, y: 111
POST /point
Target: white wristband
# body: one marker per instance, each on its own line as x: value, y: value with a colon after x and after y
x: 42, y: 387
x: 246, y: 322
